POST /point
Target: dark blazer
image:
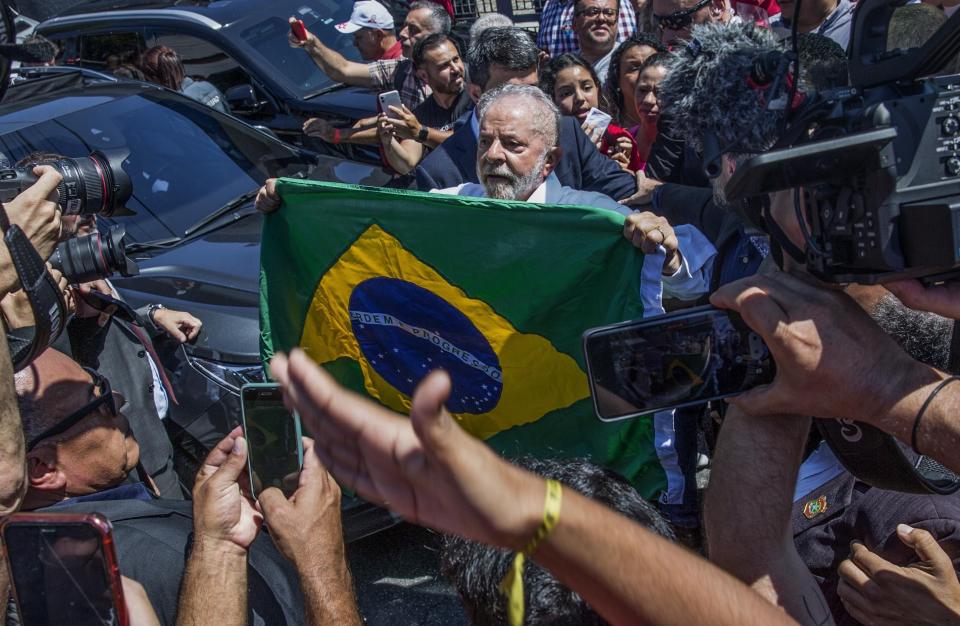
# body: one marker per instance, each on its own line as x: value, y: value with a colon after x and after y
x: 116, y: 352
x: 581, y: 166
x: 152, y: 543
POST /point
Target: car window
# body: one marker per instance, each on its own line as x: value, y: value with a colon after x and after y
x: 110, y: 51
x: 184, y: 162
x: 268, y: 37
x: 202, y: 59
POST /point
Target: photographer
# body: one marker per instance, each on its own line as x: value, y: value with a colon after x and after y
x: 123, y: 350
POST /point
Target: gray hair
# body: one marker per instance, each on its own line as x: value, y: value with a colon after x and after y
x: 490, y: 20
x: 706, y: 88
x: 543, y: 112
x: 439, y: 18
x: 511, y: 48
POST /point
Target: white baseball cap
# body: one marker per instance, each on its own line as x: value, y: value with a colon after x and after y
x: 367, y: 14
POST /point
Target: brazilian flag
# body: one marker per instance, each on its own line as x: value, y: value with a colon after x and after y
x: 382, y: 286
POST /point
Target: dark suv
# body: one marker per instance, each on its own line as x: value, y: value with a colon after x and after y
x: 238, y: 45
x: 196, y: 233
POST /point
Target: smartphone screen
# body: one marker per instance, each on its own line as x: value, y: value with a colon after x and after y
x: 61, y: 573
x: 686, y: 358
x: 273, y: 439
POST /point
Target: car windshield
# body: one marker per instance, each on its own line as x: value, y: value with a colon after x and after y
x: 293, y: 66
x: 184, y: 161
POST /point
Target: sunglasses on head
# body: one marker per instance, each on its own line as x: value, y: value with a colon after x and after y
x: 678, y: 20
x: 106, y: 397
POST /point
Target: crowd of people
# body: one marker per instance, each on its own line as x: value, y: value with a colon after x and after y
x: 607, y: 106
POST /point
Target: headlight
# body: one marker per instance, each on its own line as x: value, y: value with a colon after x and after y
x: 229, y: 376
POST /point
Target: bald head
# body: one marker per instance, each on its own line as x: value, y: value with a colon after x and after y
x: 48, y: 390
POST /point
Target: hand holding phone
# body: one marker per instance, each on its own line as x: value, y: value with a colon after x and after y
x: 64, y: 569
x: 388, y: 99
x: 682, y: 359
x: 298, y: 29
x: 598, y: 121
x: 274, y: 439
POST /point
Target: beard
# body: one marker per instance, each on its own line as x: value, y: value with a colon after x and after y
x: 515, y: 187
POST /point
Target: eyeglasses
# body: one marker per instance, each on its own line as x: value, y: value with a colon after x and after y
x: 678, y: 20
x: 595, y: 11
x: 105, y: 398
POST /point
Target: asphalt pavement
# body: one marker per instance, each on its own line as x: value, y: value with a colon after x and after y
x: 396, y: 574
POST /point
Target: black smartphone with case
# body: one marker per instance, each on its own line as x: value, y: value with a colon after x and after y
x: 666, y: 362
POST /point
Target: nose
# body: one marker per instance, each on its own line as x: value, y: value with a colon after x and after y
x: 494, y: 153
x: 578, y: 98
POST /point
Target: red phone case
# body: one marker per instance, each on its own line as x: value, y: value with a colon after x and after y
x: 94, y: 520
x: 298, y: 29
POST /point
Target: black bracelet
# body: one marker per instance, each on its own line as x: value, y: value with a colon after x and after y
x: 916, y: 422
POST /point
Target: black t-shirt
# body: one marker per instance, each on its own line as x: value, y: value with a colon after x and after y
x: 431, y: 114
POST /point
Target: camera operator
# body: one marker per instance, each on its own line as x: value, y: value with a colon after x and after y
x: 852, y: 370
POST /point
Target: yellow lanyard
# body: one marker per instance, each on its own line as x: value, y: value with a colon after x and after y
x: 512, y: 584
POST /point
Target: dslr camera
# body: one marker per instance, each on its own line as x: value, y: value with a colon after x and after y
x: 93, y: 184
x: 878, y: 162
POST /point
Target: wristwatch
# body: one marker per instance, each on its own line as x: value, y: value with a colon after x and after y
x: 423, y: 134
x: 152, y: 310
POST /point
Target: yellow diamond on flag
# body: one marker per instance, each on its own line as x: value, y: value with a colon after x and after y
x: 399, y: 319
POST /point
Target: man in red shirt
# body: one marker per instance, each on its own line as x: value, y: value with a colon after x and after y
x: 373, y: 34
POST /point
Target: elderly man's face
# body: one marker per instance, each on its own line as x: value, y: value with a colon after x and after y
x: 513, y: 158
x: 673, y: 34
x: 595, y: 23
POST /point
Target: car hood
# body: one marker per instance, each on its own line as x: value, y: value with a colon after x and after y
x: 213, y: 277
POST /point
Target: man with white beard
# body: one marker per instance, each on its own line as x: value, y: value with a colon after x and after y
x: 516, y: 155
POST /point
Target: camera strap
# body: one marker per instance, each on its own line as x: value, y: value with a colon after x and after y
x: 43, y: 292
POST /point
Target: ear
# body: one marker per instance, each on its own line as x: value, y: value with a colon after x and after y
x: 42, y: 470
x: 422, y: 75
x: 553, y: 158
x: 719, y: 7
x: 475, y: 92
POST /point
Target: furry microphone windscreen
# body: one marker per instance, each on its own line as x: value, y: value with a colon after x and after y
x: 707, y: 88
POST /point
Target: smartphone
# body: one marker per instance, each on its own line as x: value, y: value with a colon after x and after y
x: 298, y: 29
x: 682, y: 359
x: 599, y: 121
x: 274, y: 444
x: 389, y: 99
x: 64, y: 569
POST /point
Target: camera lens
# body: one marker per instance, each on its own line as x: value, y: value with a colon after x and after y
x: 94, y: 256
x: 93, y: 184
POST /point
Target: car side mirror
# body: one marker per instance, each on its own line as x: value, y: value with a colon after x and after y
x: 243, y: 99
